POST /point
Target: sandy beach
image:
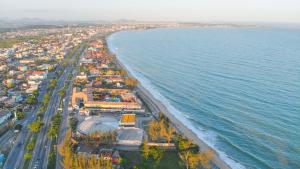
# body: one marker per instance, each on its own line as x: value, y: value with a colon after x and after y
x: 156, y: 106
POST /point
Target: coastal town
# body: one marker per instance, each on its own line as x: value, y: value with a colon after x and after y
x: 67, y: 102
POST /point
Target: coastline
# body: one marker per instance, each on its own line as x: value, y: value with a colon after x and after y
x: 157, y: 106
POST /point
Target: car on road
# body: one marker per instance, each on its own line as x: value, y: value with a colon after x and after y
x: 18, y: 128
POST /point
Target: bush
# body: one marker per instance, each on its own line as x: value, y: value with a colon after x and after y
x: 30, y: 146
x: 35, y: 126
x: 27, y: 156
x: 31, y: 100
x: 20, y: 115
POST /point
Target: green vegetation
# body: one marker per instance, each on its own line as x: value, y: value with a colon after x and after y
x: 169, y: 160
x: 52, y: 159
x: 73, y: 124
x: 62, y: 92
x: 161, y: 130
x: 20, y: 115
x: 54, y: 128
x: 31, y: 100
x: 8, y: 43
x: 97, y: 138
x: 30, y: 147
x: 52, y: 84
x: 72, y: 160
x: 27, y: 156
x: 191, y: 156
x: 35, y: 126
x: 69, y: 56
x: 35, y: 93
x: 46, y: 98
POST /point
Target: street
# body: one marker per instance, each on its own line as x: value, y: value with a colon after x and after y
x: 42, y: 147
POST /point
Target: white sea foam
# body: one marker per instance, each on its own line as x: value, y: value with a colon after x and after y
x: 209, y: 137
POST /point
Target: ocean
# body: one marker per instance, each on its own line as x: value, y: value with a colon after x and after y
x: 239, y: 88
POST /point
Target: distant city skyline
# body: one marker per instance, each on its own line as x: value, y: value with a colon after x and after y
x: 155, y: 10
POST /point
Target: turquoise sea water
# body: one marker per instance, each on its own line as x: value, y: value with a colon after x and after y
x: 238, y: 88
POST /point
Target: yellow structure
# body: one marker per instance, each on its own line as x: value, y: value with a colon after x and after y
x: 127, y: 120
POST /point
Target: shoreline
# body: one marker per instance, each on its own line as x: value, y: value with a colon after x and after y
x: 157, y: 106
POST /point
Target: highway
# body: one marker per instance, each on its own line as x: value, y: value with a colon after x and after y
x: 64, y: 124
x: 41, y: 151
x: 15, y: 157
x: 42, y: 147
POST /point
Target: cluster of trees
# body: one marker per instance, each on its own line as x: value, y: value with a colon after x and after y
x: 54, y: 128
x: 72, y: 160
x: 62, y: 92
x: 160, y: 129
x: 191, y: 156
x: 20, y: 114
x: 99, y: 138
x: 131, y: 82
x: 46, y: 99
x: 52, y: 84
x: 73, y: 123
x: 31, y: 100
x: 29, y: 148
x: 8, y: 43
x: 35, y: 126
x: 152, y: 154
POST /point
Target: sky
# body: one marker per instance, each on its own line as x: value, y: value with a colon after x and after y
x: 155, y: 10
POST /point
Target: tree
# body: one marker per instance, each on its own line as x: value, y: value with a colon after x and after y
x: 46, y: 98
x: 53, y: 132
x: 185, y: 155
x: 30, y: 146
x: 52, y: 84
x: 156, y: 153
x: 154, y: 130
x: 157, y: 129
x: 62, y: 92
x: 205, y: 158
x: 145, y: 150
x: 65, y: 150
x: 31, y: 100
x: 168, y: 133
x: 73, y: 123
x: 72, y: 160
x: 27, y: 156
x: 35, y: 126
x: 196, y: 160
x: 131, y: 82
x: 184, y: 144
x: 20, y: 115
x: 36, y: 93
x: 54, y: 128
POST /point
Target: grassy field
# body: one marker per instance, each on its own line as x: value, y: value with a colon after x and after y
x: 170, y: 160
x: 8, y: 43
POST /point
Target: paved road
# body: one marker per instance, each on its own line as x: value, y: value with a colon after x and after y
x: 15, y: 157
x: 43, y: 144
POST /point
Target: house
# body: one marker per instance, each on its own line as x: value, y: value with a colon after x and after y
x: 38, y: 75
